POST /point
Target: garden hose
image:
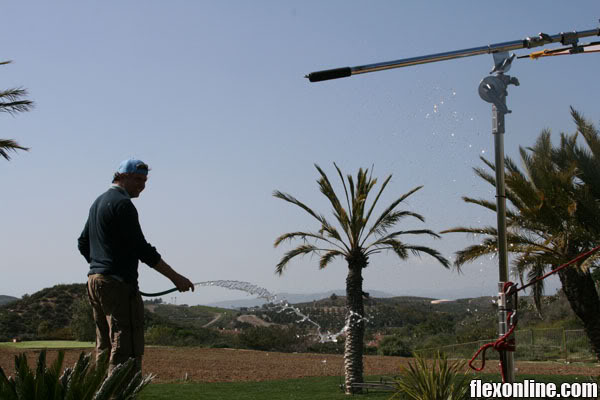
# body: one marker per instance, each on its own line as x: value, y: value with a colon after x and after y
x: 158, y: 293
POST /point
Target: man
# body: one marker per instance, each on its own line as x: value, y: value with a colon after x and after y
x: 112, y: 242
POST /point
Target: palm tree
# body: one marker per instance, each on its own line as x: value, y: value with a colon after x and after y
x: 549, y: 222
x: 12, y: 101
x: 355, y: 242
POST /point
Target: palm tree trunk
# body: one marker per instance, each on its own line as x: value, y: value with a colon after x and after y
x: 582, y: 295
x: 353, y: 347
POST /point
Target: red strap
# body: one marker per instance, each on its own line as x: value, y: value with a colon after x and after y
x: 502, y: 344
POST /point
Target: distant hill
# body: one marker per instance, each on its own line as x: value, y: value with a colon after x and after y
x: 195, y: 316
x: 48, y: 314
x: 48, y: 311
x: 292, y: 298
x: 7, y: 299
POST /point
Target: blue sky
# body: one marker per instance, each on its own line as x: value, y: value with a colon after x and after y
x: 211, y: 95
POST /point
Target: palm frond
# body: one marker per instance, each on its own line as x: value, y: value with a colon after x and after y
x: 402, y: 250
x: 338, y: 210
x: 300, y: 250
x: 7, y: 145
x: 291, y: 199
x: 390, y: 244
x: 304, y: 236
x: 473, y: 252
x: 484, y: 230
x: 328, y: 257
x: 393, y: 235
x: 345, y: 188
x: 11, y: 101
x: 392, y: 219
x: 381, y: 189
x: 382, y: 218
x: 417, y: 250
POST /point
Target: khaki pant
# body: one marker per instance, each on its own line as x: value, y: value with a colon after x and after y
x: 119, y: 316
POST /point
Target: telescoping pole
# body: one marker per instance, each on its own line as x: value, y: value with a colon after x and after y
x: 493, y: 89
x: 542, y: 39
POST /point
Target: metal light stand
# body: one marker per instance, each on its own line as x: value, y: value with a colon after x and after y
x: 492, y: 89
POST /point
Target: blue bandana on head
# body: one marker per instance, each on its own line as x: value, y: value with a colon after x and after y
x: 133, y: 166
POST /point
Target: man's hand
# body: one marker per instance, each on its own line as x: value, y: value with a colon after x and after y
x: 182, y: 283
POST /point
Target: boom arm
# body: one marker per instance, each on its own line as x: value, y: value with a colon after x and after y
x: 540, y: 40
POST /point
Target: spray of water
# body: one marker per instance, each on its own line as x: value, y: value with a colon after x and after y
x: 282, y: 306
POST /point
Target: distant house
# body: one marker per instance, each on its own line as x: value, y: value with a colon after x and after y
x: 440, y: 301
x: 16, y: 340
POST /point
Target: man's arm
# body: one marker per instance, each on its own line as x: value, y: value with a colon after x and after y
x: 182, y: 283
x: 83, y: 243
x: 132, y: 231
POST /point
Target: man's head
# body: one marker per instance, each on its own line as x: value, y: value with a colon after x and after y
x: 131, y: 176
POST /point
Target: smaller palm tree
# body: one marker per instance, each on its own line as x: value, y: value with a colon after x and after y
x: 12, y: 101
x: 358, y: 239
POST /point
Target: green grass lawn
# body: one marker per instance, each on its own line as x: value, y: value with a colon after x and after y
x: 318, y: 388
x: 48, y: 344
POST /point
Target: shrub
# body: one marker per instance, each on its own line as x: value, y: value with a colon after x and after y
x: 394, y: 346
x: 272, y: 338
x: 82, y: 321
x: 160, y: 335
x: 327, y: 347
x: 436, y: 380
x: 85, y: 381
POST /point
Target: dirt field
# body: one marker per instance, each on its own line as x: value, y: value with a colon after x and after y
x: 171, y: 364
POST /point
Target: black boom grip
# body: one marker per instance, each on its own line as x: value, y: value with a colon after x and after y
x: 329, y: 74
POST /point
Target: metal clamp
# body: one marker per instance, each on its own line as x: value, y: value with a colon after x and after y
x: 492, y: 89
x: 539, y: 40
x: 568, y: 38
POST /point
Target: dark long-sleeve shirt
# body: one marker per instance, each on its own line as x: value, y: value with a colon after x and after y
x: 112, y: 240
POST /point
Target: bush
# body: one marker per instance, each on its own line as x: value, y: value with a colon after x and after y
x: 440, y: 380
x: 272, y: 338
x: 82, y: 321
x: 160, y: 335
x: 394, y: 346
x: 173, y: 335
x: 327, y: 347
x: 85, y: 381
x: 64, y: 333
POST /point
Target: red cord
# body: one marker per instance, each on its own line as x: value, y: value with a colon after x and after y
x: 503, y: 343
x: 579, y: 257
